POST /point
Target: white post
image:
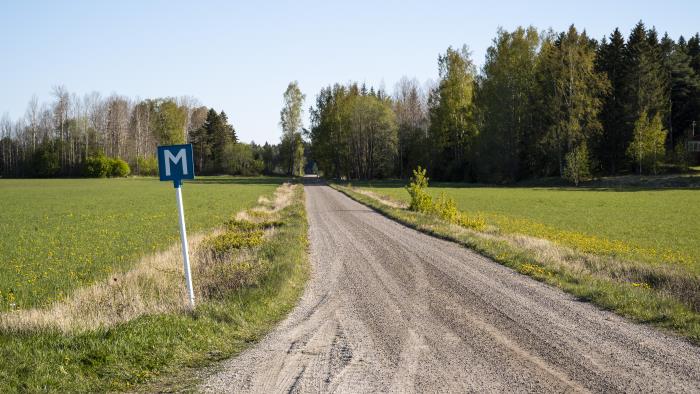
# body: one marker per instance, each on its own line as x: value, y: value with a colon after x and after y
x: 183, y: 239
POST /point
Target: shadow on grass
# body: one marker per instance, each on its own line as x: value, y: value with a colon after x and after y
x: 630, y: 183
x: 225, y: 180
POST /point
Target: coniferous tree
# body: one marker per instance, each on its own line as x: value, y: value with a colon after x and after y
x: 683, y: 89
x: 615, y: 137
x: 645, y: 78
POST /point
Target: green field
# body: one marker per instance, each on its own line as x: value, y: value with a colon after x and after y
x: 60, y: 234
x: 650, y: 225
x: 159, y: 350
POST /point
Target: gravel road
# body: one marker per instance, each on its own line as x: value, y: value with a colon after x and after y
x: 389, y: 309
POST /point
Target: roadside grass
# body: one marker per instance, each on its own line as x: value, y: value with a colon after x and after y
x: 57, y: 235
x: 665, y: 295
x: 151, y: 348
x: 652, y: 226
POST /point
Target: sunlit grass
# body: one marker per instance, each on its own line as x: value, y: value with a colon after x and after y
x: 654, y: 226
x: 167, y: 350
x: 60, y: 234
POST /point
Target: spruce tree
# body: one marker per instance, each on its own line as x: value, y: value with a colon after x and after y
x: 610, y: 147
x: 683, y: 89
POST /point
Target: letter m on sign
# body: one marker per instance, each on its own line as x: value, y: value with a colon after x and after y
x: 175, y: 162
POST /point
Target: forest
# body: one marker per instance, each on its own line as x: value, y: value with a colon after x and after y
x: 76, y: 136
x: 544, y: 104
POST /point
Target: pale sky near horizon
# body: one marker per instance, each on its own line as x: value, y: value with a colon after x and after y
x: 239, y: 57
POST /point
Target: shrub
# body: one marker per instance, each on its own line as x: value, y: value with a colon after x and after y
x: 420, y: 200
x: 577, y: 165
x: 147, y: 166
x: 232, y: 240
x: 118, y: 168
x: 476, y: 223
x: 45, y: 162
x: 101, y: 166
x: 446, y: 208
x: 97, y: 166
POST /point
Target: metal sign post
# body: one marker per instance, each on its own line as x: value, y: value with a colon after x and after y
x: 175, y: 163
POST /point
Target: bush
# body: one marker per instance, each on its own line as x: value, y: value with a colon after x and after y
x: 101, y: 166
x: 420, y: 200
x: 476, y: 223
x: 119, y: 168
x: 147, y: 166
x: 577, y: 165
x: 446, y: 208
x: 45, y: 162
x: 97, y: 166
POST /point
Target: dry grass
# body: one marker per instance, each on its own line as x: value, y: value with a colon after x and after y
x: 155, y: 285
x: 266, y: 207
x: 383, y: 199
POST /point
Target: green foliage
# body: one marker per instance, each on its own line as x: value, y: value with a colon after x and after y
x: 45, y: 162
x: 577, y: 165
x: 292, y: 149
x: 505, y: 106
x: 572, y: 91
x: 645, y: 79
x: 169, y: 122
x: 647, y: 146
x: 681, y: 156
x: 147, y: 166
x: 99, y: 166
x: 240, y: 160
x: 611, y: 144
x: 232, y: 240
x: 417, y: 189
x: 476, y: 223
x: 452, y: 126
x: 211, y: 142
x: 446, y: 208
x: 118, y: 168
x: 353, y: 132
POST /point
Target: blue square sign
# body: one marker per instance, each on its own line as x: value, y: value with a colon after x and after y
x: 175, y: 163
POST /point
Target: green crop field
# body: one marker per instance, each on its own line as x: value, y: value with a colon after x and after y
x: 60, y: 234
x: 656, y: 226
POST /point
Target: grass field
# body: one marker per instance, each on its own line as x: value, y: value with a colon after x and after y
x: 655, y: 226
x: 60, y: 234
x: 162, y: 350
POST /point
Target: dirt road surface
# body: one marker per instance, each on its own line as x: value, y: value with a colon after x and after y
x: 389, y: 309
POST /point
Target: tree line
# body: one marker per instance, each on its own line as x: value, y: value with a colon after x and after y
x: 75, y: 136
x: 543, y: 104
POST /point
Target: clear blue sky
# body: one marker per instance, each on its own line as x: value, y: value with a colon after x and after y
x: 240, y: 56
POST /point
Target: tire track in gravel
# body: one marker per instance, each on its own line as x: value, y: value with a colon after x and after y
x: 389, y: 309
